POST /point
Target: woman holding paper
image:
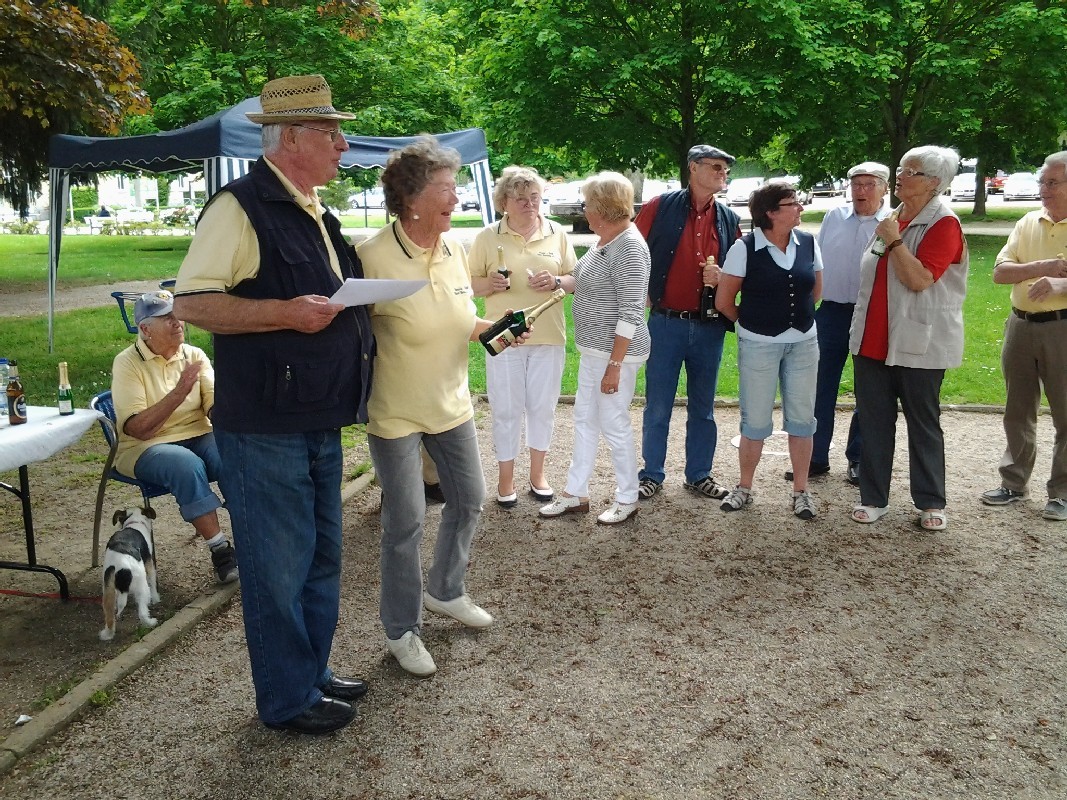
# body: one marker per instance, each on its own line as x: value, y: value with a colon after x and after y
x: 523, y: 384
x: 420, y: 397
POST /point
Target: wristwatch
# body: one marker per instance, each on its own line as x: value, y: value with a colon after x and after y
x: 559, y: 283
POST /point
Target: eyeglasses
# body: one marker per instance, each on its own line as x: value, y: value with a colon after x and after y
x: 713, y: 167
x: 333, y: 132
x: 908, y: 172
x: 1049, y: 183
x: 796, y: 203
x: 532, y: 200
x: 864, y: 186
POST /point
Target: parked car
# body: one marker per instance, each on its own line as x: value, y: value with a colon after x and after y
x: 828, y: 187
x: 470, y: 204
x: 962, y: 187
x: 369, y: 198
x: 740, y: 189
x: 994, y: 184
x: 1021, y: 186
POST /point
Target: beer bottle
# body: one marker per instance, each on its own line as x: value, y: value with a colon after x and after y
x: 64, y: 397
x: 16, y: 397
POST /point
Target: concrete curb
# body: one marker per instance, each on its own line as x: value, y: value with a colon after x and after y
x: 72, y: 705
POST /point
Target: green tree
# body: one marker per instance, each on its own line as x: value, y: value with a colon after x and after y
x: 60, y: 72
x: 632, y: 85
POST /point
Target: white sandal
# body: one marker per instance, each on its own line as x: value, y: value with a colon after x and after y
x: 870, y: 514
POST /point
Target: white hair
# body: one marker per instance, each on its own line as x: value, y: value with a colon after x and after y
x: 1055, y: 160
x: 937, y: 162
x: 271, y: 137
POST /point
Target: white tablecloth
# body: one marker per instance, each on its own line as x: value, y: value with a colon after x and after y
x: 43, y: 435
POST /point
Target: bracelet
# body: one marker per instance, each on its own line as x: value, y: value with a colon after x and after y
x: 615, y: 364
x: 897, y: 243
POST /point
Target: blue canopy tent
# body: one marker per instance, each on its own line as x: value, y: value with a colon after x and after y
x: 224, y: 146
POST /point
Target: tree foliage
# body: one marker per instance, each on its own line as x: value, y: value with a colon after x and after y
x: 633, y: 85
x: 60, y: 72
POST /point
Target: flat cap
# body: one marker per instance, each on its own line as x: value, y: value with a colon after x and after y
x: 870, y: 168
x: 699, y: 151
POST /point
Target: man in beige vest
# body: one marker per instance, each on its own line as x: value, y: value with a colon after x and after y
x: 1035, y: 342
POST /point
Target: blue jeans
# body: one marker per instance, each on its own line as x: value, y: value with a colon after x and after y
x: 761, y: 368
x: 697, y: 345
x: 833, y: 321
x: 283, y: 492
x: 186, y: 469
x: 398, y: 467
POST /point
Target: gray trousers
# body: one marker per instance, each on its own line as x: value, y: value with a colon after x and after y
x: 398, y: 466
x: 1034, y: 356
x: 878, y: 387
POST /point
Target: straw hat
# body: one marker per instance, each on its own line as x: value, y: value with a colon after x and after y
x: 297, y: 97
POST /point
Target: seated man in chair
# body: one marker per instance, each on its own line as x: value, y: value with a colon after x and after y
x: 163, y: 390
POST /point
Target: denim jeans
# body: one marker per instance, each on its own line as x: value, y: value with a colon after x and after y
x: 761, y: 367
x: 283, y: 492
x: 833, y: 321
x: 697, y: 346
x: 398, y: 467
x: 187, y: 469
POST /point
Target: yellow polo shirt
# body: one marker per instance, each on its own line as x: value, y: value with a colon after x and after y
x: 225, y: 250
x: 140, y: 379
x: 420, y: 371
x: 548, y: 250
x: 1035, y: 237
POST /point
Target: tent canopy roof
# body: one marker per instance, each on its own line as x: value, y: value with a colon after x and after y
x: 227, y: 134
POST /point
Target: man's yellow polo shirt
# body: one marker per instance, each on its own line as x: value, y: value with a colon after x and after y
x: 1035, y: 237
x: 140, y: 379
x: 420, y: 371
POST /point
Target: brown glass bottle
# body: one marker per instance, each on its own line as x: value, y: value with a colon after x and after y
x: 16, y: 397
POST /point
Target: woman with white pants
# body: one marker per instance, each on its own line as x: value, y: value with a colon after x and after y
x: 611, y: 335
x: 523, y: 383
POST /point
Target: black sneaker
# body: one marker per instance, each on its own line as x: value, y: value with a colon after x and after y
x: 224, y: 560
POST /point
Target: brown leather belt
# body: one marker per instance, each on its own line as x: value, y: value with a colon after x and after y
x: 1040, y: 316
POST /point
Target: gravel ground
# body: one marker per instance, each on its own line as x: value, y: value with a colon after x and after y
x: 688, y: 653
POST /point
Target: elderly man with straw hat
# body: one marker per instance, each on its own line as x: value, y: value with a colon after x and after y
x: 292, y: 369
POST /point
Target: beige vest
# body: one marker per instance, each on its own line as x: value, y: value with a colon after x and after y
x: 925, y: 328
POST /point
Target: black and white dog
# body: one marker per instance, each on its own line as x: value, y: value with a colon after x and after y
x: 129, y: 569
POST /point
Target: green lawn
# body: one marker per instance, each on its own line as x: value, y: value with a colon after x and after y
x: 89, y: 339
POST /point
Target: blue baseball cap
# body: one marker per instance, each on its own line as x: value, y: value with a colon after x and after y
x: 152, y: 304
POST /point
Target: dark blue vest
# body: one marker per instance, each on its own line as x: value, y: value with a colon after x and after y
x: 287, y: 381
x: 773, y: 299
x: 666, y: 232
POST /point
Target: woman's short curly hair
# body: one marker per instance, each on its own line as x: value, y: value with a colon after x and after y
x: 610, y: 195
x: 410, y: 169
x: 766, y: 199
x: 515, y: 181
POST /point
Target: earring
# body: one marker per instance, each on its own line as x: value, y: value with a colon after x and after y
x: 414, y: 216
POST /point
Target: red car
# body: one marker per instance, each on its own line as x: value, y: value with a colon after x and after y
x: 995, y: 183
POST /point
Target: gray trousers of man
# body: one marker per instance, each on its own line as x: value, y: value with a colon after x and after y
x: 878, y: 387
x: 398, y: 467
x: 1034, y: 355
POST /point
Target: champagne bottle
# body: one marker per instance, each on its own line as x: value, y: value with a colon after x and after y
x: 511, y: 326
x: 707, y: 296
x: 501, y: 267
x: 16, y: 397
x: 878, y: 248
x: 64, y: 397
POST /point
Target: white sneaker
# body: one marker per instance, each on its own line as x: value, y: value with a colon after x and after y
x: 462, y: 609
x: 411, y: 654
x: 618, y: 512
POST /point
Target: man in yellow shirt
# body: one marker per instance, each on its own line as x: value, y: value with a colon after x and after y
x: 1035, y: 342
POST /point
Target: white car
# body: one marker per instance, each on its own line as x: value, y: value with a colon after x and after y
x: 1021, y: 186
x: 962, y: 187
x: 740, y: 189
x: 370, y: 198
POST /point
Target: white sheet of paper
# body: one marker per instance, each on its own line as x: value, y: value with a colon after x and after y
x: 365, y: 291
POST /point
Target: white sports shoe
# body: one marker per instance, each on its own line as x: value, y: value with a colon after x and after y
x: 412, y: 655
x: 462, y: 609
